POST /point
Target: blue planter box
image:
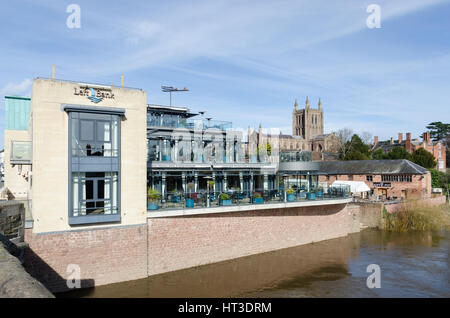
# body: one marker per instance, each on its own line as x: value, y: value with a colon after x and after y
x: 311, y: 196
x: 302, y: 195
x: 258, y: 200
x: 176, y: 199
x: 225, y: 202
x: 291, y: 197
x: 189, y: 203
x: 320, y: 193
x: 152, y: 206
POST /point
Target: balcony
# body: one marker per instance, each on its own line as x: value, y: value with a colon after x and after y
x: 203, y: 202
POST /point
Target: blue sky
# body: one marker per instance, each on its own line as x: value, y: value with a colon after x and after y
x: 245, y: 61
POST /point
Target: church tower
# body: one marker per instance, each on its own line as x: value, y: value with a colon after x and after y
x: 307, y: 122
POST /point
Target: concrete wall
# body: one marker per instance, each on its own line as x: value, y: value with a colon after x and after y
x: 15, y: 177
x: 50, y: 153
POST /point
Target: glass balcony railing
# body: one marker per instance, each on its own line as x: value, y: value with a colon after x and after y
x: 207, y: 199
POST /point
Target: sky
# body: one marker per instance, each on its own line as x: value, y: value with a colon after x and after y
x: 245, y: 61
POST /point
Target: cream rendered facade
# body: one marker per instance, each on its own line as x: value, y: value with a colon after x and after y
x: 49, y: 132
x: 17, y: 175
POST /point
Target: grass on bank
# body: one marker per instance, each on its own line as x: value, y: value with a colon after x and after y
x: 414, y: 215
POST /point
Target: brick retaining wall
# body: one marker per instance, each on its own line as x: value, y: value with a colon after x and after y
x: 105, y: 256
x: 167, y: 244
x: 182, y: 242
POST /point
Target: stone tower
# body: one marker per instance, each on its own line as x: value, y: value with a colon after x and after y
x: 307, y: 122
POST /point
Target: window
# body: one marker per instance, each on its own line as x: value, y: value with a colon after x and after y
x: 94, y: 135
x: 350, y: 177
x: 94, y: 167
x: 94, y: 193
x: 396, y: 178
x: 369, y: 178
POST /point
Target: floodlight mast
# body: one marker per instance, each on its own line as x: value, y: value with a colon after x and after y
x: 170, y: 89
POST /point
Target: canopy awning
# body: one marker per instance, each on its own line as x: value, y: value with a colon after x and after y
x: 355, y: 186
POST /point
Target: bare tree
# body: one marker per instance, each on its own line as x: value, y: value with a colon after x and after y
x: 345, y: 140
x: 367, y: 137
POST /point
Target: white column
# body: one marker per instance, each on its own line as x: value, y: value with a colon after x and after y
x: 225, y: 182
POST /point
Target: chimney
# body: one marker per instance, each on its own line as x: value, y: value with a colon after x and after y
x: 408, y: 136
x: 426, y: 137
x: 408, y: 145
x: 400, y: 138
x: 375, y: 140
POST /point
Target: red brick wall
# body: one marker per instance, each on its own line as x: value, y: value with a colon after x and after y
x: 105, y: 256
x: 119, y: 254
x: 181, y: 242
x: 420, y: 185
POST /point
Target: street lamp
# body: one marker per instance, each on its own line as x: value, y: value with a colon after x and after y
x: 170, y: 89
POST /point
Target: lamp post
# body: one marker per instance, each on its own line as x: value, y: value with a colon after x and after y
x: 170, y: 89
x: 207, y: 190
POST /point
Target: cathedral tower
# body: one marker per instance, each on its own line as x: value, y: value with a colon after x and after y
x: 307, y: 122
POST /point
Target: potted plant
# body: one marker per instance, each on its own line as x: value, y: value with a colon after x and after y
x: 224, y: 199
x: 176, y: 196
x: 311, y: 195
x: 319, y: 192
x: 290, y: 195
x: 190, y: 200
x: 152, y: 199
x: 257, y: 198
x: 211, y: 189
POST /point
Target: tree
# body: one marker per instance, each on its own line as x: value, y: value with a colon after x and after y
x: 344, y: 136
x: 423, y: 158
x: 358, y: 149
x: 367, y: 137
x: 398, y: 152
x: 439, y: 130
x: 378, y: 154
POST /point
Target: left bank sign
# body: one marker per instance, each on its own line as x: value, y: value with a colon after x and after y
x: 95, y: 94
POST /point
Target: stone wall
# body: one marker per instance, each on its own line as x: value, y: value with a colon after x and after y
x: 15, y: 282
x: 12, y: 220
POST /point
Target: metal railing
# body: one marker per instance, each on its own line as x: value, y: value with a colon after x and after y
x: 208, y: 199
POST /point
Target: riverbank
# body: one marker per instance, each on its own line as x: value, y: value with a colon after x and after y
x: 413, y: 264
x: 417, y: 215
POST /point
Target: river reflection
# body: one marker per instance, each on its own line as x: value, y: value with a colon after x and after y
x: 413, y: 264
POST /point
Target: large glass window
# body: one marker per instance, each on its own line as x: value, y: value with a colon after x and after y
x: 94, y: 163
x: 94, y: 135
x: 94, y: 193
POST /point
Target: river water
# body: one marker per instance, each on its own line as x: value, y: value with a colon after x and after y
x: 413, y: 264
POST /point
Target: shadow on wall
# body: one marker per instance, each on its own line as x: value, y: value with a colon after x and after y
x: 294, y: 211
x: 45, y: 274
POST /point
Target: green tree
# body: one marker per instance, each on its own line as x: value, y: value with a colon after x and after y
x: 423, y: 158
x: 438, y: 130
x: 398, y: 152
x: 378, y: 154
x: 358, y: 150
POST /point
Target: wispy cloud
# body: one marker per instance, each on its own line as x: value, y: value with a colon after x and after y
x: 22, y: 88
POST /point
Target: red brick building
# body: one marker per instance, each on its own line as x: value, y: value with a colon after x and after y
x: 386, y: 178
x: 437, y: 148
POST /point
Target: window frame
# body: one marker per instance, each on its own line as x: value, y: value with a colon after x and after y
x: 86, y: 164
